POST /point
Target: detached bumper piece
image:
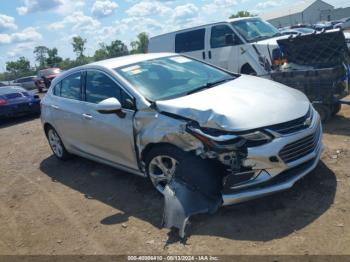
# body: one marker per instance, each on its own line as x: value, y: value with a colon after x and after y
x: 181, y: 203
x: 195, y: 189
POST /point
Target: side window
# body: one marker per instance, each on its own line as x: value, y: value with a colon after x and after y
x: 57, y: 89
x: 70, y: 87
x: 190, y: 41
x: 218, y: 35
x: 100, y: 87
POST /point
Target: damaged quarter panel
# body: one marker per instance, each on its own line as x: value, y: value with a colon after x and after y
x: 153, y: 127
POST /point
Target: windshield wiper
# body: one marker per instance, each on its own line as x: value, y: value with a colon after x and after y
x: 209, y: 85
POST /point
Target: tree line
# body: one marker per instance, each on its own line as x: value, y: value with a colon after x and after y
x: 48, y: 57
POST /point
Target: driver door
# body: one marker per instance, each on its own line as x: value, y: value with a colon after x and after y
x: 108, y: 136
x: 222, y: 53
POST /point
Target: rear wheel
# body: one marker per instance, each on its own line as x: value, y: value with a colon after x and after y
x: 336, y: 109
x: 56, y: 144
x: 325, y: 111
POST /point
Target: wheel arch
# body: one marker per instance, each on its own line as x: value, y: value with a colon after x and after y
x: 247, y: 69
x: 151, y: 146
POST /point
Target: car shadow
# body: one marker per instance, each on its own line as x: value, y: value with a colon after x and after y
x: 7, y: 122
x: 338, y: 125
x: 263, y: 219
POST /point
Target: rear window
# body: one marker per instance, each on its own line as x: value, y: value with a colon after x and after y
x: 190, y: 41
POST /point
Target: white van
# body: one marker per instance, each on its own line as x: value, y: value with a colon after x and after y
x: 253, y: 46
x: 234, y: 45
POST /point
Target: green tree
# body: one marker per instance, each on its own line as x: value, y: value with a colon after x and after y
x: 115, y: 49
x: 242, y: 14
x: 41, y: 53
x: 53, y: 59
x: 141, y: 44
x: 79, y: 46
x: 18, y: 68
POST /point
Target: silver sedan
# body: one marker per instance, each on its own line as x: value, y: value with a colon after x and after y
x: 147, y: 114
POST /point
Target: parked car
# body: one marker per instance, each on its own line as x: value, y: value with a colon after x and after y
x: 301, y: 26
x: 325, y: 25
x: 26, y: 82
x: 156, y: 114
x: 253, y: 46
x: 45, y: 77
x: 344, y: 24
x: 16, y: 101
x: 297, y: 31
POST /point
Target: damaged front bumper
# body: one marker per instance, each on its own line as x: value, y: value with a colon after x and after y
x: 278, y: 164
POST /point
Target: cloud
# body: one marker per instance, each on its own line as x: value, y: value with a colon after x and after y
x: 219, y: 6
x: 78, y: 22
x: 267, y: 4
x: 7, y: 23
x: 28, y: 34
x: 103, y: 8
x: 147, y: 8
x: 20, y: 48
x: 32, y: 6
x: 185, y: 13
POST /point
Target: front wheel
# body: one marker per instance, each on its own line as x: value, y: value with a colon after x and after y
x: 161, y: 163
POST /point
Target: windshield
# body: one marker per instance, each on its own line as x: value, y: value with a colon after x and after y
x: 255, y: 29
x: 171, y: 77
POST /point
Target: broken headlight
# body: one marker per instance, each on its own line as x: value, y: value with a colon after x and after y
x: 215, y: 138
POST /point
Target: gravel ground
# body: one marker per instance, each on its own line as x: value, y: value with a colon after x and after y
x: 81, y: 207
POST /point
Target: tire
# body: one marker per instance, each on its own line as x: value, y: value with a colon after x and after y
x: 196, y: 172
x: 56, y: 144
x: 325, y: 111
x: 336, y: 109
x: 248, y: 70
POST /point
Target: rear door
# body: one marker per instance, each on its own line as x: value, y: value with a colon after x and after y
x: 66, y: 110
x: 191, y: 43
x: 108, y: 136
x: 222, y: 53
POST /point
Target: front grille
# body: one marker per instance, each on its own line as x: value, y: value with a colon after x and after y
x: 291, y: 126
x: 300, y: 148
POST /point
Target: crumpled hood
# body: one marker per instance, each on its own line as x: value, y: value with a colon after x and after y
x: 245, y: 103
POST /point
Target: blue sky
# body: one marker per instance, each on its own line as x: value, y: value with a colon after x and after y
x: 25, y: 24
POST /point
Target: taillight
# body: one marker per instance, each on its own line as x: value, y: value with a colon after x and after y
x: 2, y: 102
x: 278, y: 57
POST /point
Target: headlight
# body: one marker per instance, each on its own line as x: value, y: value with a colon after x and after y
x: 221, y: 139
x: 256, y: 136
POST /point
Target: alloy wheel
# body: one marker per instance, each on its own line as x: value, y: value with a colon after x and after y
x: 55, y: 143
x: 161, y: 170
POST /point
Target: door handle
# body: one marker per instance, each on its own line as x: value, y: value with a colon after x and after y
x: 54, y: 107
x: 87, y: 116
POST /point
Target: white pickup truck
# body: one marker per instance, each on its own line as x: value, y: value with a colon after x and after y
x: 317, y: 64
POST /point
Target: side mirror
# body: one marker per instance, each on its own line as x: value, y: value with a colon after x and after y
x: 109, y: 106
x: 230, y: 39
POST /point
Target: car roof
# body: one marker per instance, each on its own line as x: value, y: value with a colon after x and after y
x: 208, y: 24
x: 127, y: 60
x: 10, y: 89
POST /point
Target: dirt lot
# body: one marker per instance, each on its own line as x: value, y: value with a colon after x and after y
x: 81, y: 207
